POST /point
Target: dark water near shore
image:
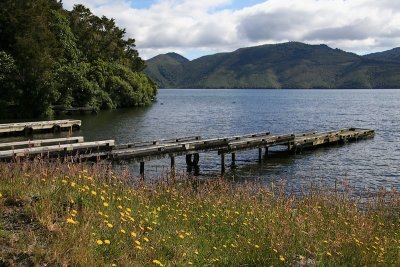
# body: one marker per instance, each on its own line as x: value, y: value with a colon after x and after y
x: 371, y: 163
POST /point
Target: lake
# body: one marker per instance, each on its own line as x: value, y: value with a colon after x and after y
x: 367, y: 164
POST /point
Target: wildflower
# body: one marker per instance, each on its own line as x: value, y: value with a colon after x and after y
x: 120, y: 207
x: 73, y: 184
x: 328, y: 254
x: 256, y: 246
x: 107, y: 242
x: 70, y: 220
x: 281, y: 258
x: 146, y: 239
x: 139, y: 247
x: 105, y: 204
x: 113, y: 265
x: 158, y: 262
x: 133, y: 234
x: 123, y: 231
x: 190, y: 263
x: 181, y: 236
x: 109, y: 225
x: 99, y: 242
x: 137, y: 242
x: 93, y: 193
x: 1, y: 194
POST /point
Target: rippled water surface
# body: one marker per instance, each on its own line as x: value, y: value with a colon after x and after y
x: 371, y: 163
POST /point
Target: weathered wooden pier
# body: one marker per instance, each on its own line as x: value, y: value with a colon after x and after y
x: 28, y: 128
x: 190, y: 147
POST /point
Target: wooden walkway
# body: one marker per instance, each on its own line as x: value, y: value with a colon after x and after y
x: 190, y: 147
x: 28, y: 128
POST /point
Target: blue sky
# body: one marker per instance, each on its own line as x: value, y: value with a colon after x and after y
x: 235, y: 4
x: 194, y: 28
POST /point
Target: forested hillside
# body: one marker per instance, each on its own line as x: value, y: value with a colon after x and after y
x: 286, y: 65
x: 53, y: 57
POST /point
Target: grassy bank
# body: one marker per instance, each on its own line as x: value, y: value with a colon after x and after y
x: 76, y: 215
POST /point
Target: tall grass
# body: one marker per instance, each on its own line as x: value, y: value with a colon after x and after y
x: 81, y: 215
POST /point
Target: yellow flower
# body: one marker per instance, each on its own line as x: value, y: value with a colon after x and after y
x: 73, y: 184
x: 113, y: 265
x: 137, y: 242
x: 181, y: 236
x: 256, y: 246
x: 1, y: 194
x: 190, y: 263
x: 123, y: 231
x: 94, y: 193
x: 70, y: 220
x: 133, y: 234
x: 107, y: 242
x: 146, y: 239
x: 158, y: 262
x: 139, y: 247
x: 120, y: 207
x: 99, y: 242
x: 105, y: 204
x: 328, y: 254
x: 110, y: 225
x: 281, y: 258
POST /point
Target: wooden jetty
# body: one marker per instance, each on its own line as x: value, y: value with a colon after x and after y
x: 79, y: 151
x: 28, y: 128
x: 36, y: 143
x: 190, y: 147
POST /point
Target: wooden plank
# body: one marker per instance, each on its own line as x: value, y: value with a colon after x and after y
x: 84, y: 147
x: 41, y: 142
x: 38, y: 125
x: 156, y: 142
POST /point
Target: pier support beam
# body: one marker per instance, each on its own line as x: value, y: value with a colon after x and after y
x: 222, y: 163
x: 233, y: 159
x: 172, y: 163
x: 259, y: 154
x: 142, y: 169
x: 194, y: 161
x: 266, y: 151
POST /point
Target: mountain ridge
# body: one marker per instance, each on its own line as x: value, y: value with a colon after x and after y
x: 285, y: 65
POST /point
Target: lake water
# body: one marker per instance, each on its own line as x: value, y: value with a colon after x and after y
x: 366, y: 164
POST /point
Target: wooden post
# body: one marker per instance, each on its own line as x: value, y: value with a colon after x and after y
x: 222, y: 163
x: 259, y: 154
x: 142, y: 169
x: 266, y: 151
x: 172, y: 163
x: 233, y: 159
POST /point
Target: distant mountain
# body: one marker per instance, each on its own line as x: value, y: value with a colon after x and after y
x: 286, y: 65
x: 392, y: 55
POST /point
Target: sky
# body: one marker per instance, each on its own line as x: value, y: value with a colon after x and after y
x: 194, y: 28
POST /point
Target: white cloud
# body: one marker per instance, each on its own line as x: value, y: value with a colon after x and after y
x: 194, y: 27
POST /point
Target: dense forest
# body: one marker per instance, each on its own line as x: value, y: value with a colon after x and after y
x: 52, y: 57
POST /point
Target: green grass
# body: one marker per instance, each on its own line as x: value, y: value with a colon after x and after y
x: 77, y: 215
